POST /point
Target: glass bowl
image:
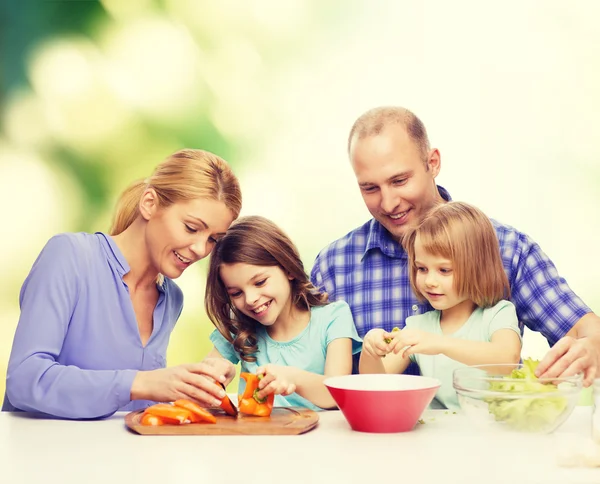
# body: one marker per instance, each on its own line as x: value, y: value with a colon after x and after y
x: 490, y: 398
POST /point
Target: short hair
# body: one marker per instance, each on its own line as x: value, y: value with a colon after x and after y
x: 463, y: 234
x: 256, y: 241
x: 374, y: 121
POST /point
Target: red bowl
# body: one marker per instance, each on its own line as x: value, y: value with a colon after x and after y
x: 382, y: 403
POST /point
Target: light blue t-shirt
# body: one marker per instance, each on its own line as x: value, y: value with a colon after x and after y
x: 480, y: 326
x: 307, y: 351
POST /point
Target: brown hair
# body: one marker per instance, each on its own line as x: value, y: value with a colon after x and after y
x: 257, y: 241
x: 185, y: 175
x: 463, y: 234
x: 374, y: 121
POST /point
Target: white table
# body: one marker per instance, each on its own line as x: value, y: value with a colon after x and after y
x: 446, y: 449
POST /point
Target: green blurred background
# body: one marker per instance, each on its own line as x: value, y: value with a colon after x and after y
x: 94, y: 94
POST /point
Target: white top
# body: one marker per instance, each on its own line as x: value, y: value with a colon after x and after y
x: 446, y: 448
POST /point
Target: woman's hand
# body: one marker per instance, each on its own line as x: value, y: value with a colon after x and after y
x: 195, y: 381
x: 222, y: 366
x: 275, y: 379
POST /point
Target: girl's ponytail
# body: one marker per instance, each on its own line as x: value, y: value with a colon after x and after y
x: 127, y: 207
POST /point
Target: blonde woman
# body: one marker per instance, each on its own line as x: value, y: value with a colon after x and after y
x: 454, y: 263
x: 97, y: 310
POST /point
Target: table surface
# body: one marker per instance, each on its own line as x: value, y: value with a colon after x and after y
x: 446, y: 449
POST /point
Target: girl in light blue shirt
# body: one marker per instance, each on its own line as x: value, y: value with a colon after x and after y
x: 455, y: 265
x: 270, y: 318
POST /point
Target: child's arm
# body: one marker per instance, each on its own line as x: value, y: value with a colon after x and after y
x: 285, y: 379
x: 504, y: 347
x: 372, y: 357
x: 338, y: 362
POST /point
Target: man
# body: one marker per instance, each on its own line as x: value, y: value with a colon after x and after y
x: 396, y: 168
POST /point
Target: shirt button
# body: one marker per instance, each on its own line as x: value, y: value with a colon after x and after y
x: 415, y: 308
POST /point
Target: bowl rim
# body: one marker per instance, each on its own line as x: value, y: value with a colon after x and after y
x: 576, y: 381
x: 433, y: 382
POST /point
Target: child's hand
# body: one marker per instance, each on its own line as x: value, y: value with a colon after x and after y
x: 374, y: 343
x: 410, y: 341
x: 275, y: 379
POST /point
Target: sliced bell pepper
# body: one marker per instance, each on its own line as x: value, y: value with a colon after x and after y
x: 249, y: 403
x: 168, y: 411
x: 199, y: 414
x: 227, y: 405
x: 152, y: 420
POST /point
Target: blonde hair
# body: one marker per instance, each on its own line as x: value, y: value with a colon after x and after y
x: 256, y: 241
x: 374, y: 121
x: 185, y: 175
x: 463, y: 234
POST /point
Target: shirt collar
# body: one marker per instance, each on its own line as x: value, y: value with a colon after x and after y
x: 117, y: 259
x: 114, y: 254
x: 379, y: 238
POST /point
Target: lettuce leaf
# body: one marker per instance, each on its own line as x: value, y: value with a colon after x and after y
x: 529, y: 413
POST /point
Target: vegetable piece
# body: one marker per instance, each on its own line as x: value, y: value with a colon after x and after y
x: 227, y: 405
x: 199, y: 414
x: 249, y: 403
x: 166, y: 410
x: 528, y: 414
x: 389, y: 340
x: 152, y: 420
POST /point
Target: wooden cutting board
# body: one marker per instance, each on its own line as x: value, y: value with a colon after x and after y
x: 283, y: 421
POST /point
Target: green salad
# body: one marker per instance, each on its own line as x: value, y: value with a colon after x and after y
x: 531, y: 413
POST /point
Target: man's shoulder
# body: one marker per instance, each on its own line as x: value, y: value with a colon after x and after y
x: 354, y: 240
x: 509, y: 236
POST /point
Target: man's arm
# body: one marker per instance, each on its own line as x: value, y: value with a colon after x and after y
x: 546, y: 303
x: 578, y: 351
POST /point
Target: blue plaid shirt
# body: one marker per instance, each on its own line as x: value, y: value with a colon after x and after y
x: 368, y: 269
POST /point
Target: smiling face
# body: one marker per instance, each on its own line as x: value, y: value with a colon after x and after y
x: 397, y: 185
x: 263, y: 293
x: 183, y: 233
x: 435, y: 279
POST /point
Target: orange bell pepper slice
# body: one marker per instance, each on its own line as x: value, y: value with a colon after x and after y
x: 227, y: 405
x: 199, y: 414
x: 249, y: 403
x: 168, y: 411
x: 152, y: 420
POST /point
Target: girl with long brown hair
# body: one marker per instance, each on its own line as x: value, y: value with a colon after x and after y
x: 269, y: 316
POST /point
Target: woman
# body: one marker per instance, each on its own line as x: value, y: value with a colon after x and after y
x: 97, y: 310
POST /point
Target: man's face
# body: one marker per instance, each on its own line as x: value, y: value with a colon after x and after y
x: 397, y: 186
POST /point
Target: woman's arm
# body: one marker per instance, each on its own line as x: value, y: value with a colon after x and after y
x: 35, y: 380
